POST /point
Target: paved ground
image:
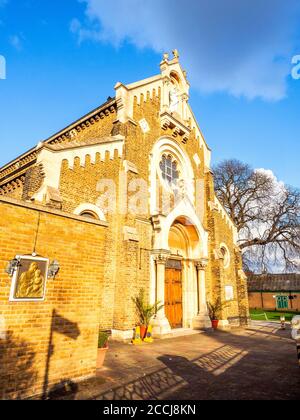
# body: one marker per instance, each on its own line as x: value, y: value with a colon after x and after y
x: 257, y: 363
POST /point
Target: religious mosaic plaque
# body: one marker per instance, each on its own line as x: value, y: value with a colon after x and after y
x: 29, y: 279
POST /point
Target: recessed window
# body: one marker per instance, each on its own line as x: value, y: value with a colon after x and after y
x: 89, y: 215
x: 226, y: 256
x: 169, y: 170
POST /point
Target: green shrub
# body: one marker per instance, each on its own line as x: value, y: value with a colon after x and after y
x: 102, y: 340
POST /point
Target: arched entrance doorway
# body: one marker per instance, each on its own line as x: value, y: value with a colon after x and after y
x: 179, y: 238
x: 180, y: 274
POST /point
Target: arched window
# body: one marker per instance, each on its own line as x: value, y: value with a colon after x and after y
x: 90, y: 211
x: 226, y: 255
x: 169, y: 169
x: 89, y: 215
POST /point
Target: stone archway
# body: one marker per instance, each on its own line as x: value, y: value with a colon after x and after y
x: 181, y: 289
x: 180, y: 278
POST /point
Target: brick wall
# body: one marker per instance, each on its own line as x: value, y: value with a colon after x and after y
x: 266, y: 300
x: 71, y: 311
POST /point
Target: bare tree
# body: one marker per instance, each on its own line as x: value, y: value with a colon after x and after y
x: 266, y: 213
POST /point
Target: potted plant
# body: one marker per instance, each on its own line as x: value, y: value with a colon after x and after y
x: 214, y: 309
x: 145, y: 311
x: 102, y: 348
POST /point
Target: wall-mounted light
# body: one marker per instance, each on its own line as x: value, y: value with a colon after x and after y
x: 12, y: 266
x: 53, y: 269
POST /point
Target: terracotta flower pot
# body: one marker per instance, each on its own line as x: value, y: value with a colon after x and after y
x: 215, y: 324
x: 143, y: 331
x: 101, y: 357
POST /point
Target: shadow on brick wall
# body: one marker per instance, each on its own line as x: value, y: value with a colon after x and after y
x: 18, y: 375
x: 69, y: 329
x: 17, y: 371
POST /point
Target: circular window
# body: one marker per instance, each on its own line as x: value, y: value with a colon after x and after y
x: 226, y: 255
x: 169, y: 170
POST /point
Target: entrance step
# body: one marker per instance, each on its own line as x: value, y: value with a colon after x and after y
x: 180, y: 332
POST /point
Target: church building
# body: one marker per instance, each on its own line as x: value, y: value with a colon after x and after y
x: 121, y: 200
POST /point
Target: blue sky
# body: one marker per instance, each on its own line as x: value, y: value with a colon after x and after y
x: 64, y: 57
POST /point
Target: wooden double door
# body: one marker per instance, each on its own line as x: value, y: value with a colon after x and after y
x: 173, y: 293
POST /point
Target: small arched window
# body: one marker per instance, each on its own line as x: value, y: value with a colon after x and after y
x: 175, y: 79
x: 89, y: 215
x: 90, y: 211
x: 169, y: 170
x: 226, y: 256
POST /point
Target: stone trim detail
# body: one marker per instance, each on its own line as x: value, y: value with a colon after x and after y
x: 130, y: 167
x: 13, y: 185
x: 53, y: 198
x: 33, y: 181
x: 131, y: 234
x: 168, y: 121
x: 156, y: 223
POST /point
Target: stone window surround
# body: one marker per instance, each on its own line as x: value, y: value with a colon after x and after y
x: 226, y: 256
x: 168, y: 146
x: 90, y: 208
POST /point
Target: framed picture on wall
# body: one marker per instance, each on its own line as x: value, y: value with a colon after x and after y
x: 29, y: 279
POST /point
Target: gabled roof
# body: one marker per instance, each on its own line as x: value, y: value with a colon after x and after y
x: 274, y: 282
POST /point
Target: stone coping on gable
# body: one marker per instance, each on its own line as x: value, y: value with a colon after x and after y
x: 44, y: 209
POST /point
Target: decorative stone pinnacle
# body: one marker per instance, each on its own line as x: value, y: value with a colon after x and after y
x: 166, y: 56
x: 175, y: 53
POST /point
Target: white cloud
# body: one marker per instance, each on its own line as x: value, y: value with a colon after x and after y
x: 278, y: 186
x: 238, y: 47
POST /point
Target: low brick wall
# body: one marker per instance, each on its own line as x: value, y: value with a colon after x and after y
x: 265, y: 300
x: 43, y: 344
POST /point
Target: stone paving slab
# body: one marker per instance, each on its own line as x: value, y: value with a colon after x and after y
x: 256, y: 363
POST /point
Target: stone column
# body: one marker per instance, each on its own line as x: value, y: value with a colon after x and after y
x: 201, y: 321
x: 161, y: 325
